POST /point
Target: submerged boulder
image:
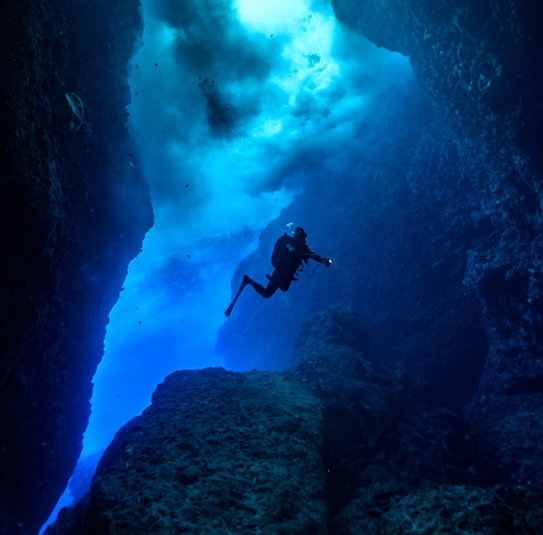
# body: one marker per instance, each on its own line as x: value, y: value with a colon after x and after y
x: 217, y: 452
x: 389, y: 448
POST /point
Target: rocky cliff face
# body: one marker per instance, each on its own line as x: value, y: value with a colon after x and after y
x: 74, y: 212
x: 478, y: 65
x: 439, y: 239
x: 339, y: 444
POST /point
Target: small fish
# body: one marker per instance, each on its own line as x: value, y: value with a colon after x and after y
x: 127, y: 113
x: 188, y: 256
x: 137, y: 93
x: 117, y: 172
x: 156, y: 64
x: 139, y: 322
x: 128, y: 154
x: 137, y: 66
x: 187, y: 186
x: 78, y: 108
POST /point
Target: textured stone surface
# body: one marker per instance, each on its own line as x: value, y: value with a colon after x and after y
x: 446, y: 509
x: 216, y: 452
x: 479, y: 65
x: 511, y: 427
x: 73, y: 214
x: 393, y: 460
x: 477, y: 62
x: 383, y: 440
x: 338, y: 435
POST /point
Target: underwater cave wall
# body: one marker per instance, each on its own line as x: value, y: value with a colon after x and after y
x: 74, y: 211
x: 479, y: 65
x: 438, y: 241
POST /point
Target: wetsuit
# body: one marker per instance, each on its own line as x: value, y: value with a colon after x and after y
x: 296, y: 252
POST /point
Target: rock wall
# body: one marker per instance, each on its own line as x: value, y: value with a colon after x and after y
x: 477, y: 62
x: 395, y: 464
x: 479, y: 66
x: 438, y: 236
x: 73, y: 214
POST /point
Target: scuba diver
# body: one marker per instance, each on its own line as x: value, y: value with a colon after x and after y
x: 289, y: 253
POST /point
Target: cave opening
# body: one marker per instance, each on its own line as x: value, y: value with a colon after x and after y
x: 301, y: 101
x: 234, y: 113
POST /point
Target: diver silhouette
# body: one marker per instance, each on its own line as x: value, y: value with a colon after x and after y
x: 289, y: 253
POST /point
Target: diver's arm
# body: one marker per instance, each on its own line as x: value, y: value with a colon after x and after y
x: 318, y: 258
x: 310, y: 254
x: 306, y: 254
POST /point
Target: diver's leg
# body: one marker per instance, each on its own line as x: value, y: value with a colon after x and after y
x: 244, y: 283
x: 265, y: 292
x: 285, y: 284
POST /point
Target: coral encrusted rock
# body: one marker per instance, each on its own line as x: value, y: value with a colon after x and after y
x: 217, y: 452
x: 453, y: 510
x: 386, y: 444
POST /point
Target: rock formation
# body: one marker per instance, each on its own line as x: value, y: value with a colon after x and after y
x: 478, y: 66
x: 73, y: 215
x: 216, y: 452
x: 338, y: 444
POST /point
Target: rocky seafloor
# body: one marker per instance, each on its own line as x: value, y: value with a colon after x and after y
x: 337, y: 444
